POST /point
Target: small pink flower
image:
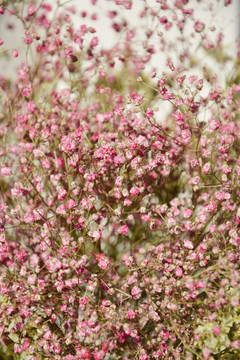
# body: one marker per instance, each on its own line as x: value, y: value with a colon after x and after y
x: 188, y: 244
x: 1, y: 41
x: 173, y: 307
x: 185, y: 134
x: 236, y: 344
x: 130, y: 314
x: 179, y: 272
x: 117, y: 194
x: 71, y: 204
x: 149, y: 113
x: 216, y: 330
x: 31, y: 10
x: 83, y: 301
x: 234, y: 302
x: 134, y: 191
x: 187, y: 213
x: 128, y: 261
x: 46, y: 164
x: 62, y: 194
x: 15, y: 53
x: 123, y: 230
x: 32, y: 279
x: 47, y: 335
x: 199, y: 26
x: 61, y: 210
x: 227, y: 2
x: 145, y: 217
x: 85, y: 354
x: 206, y: 353
x: 27, y: 91
x: 94, y: 41
x: 206, y: 168
x: 28, y: 40
x: 195, y: 180
x: 127, y: 202
x: 64, y: 307
x: 136, y: 292
x: 4, y: 290
x: 118, y: 182
x: 34, y: 260
x: 6, y: 171
x: 98, y: 355
x: 103, y: 261
x: 95, y: 234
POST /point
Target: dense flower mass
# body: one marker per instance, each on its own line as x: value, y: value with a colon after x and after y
x: 119, y: 175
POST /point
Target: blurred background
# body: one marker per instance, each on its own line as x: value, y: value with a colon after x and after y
x: 226, y: 19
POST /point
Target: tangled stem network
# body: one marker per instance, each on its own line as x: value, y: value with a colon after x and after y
x: 119, y: 177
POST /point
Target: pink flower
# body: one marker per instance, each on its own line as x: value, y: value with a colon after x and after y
x: 235, y: 344
x: 216, y: 330
x: 178, y: 272
x: 185, y: 134
x: 130, y: 314
x: 149, y: 113
x: 188, y: 244
x: 34, y: 260
x: 123, y: 230
x: 71, y: 204
x: 94, y: 41
x: 82, y: 302
x: 98, y: 355
x: 6, y: 171
x: 61, y: 210
x: 85, y: 354
x: 32, y: 279
x: 118, y: 182
x: 64, y: 307
x: 135, y: 292
x: 199, y: 26
x: 67, y: 144
x: 187, y: 213
x: 234, y: 301
x: 134, y: 191
x: 27, y: 91
x: 47, y: 335
x: 53, y: 265
x: 62, y: 194
x: 15, y: 53
x: 103, y: 261
x: 117, y: 194
x: 46, y: 164
x: 206, y: 168
x: 31, y: 10
x: 127, y: 202
x: 95, y: 234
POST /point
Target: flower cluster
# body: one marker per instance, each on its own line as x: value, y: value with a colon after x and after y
x: 119, y: 205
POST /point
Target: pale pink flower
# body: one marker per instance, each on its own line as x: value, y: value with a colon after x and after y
x: 71, y: 204
x: 134, y: 191
x: 31, y: 10
x: 206, y: 168
x: 61, y: 210
x: 6, y: 171
x: 123, y: 230
x: 15, y: 53
x: 178, y: 272
x: 136, y: 292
